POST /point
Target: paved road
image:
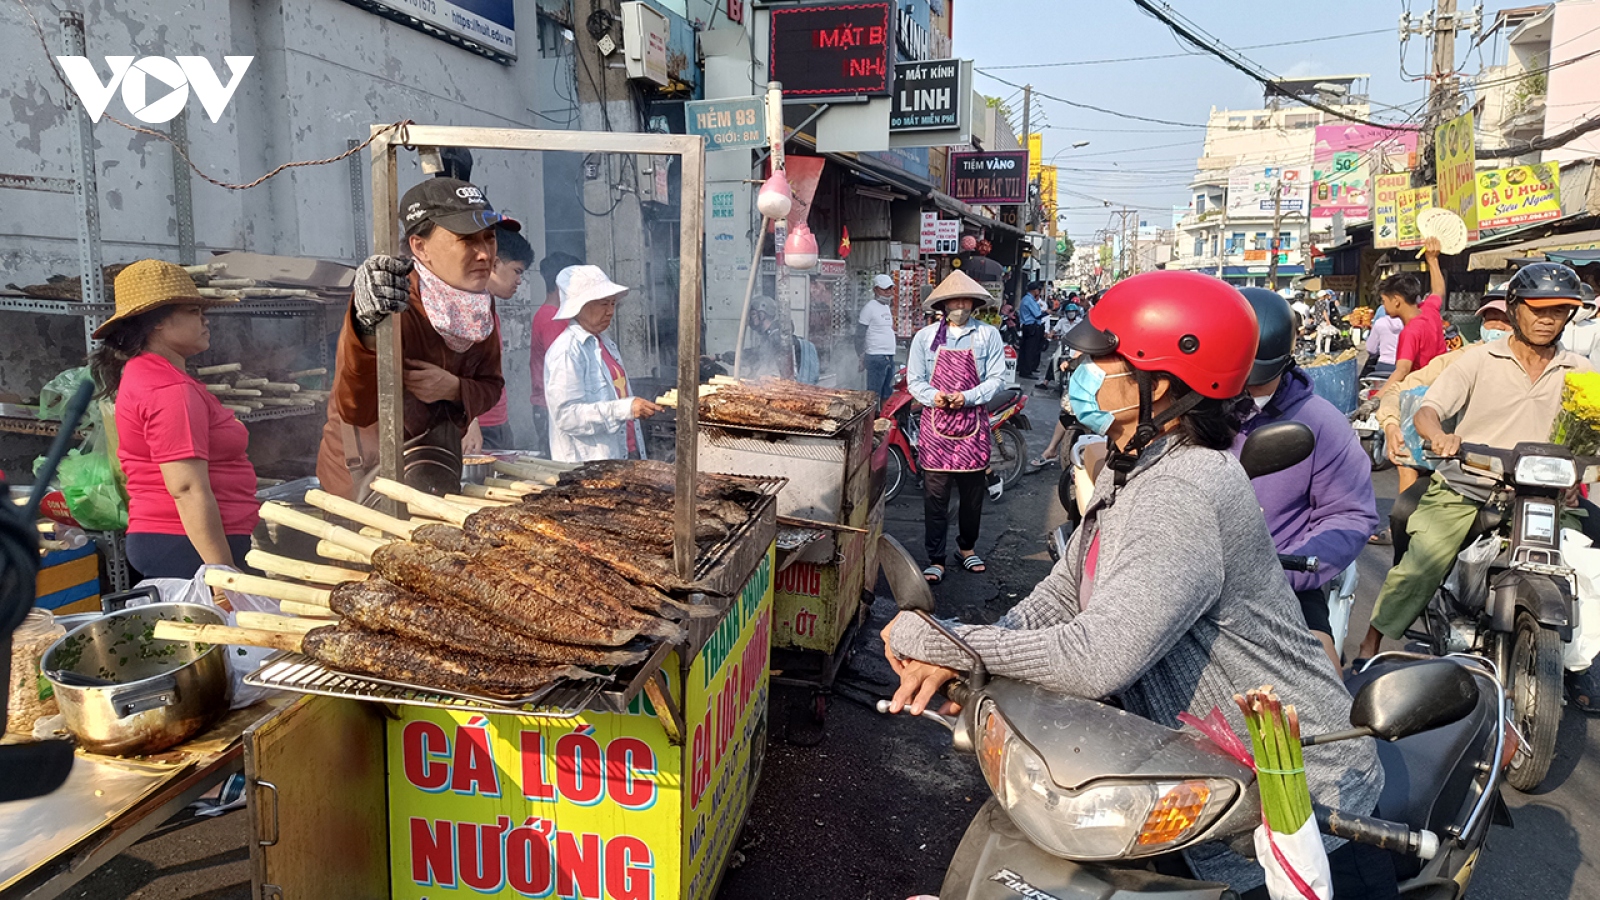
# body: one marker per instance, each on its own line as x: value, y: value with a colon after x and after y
x: 874, y: 811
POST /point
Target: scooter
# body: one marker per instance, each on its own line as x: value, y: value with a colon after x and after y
x: 1525, y: 614
x: 1365, y: 421
x: 1057, y: 763
x: 1008, y: 454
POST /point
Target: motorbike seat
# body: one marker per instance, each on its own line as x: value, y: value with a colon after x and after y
x: 1425, y: 783
x: 1002, y: 399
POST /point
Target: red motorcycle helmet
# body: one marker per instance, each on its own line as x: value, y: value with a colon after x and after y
x: 1197, y: 328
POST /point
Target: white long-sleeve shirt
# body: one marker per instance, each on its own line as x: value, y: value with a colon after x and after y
x: 588, y: 419
x: 988, y: 351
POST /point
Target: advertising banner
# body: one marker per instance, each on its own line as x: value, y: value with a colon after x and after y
x: 490, y: 24
x: 1519, y: 195
x: 826, y: 50
x: 1250, y: 188
x: 939, y: 236
x: 600, y: 806
x: 1035, y: 155
x: 1408, y: 203
x: 927, y: 95
x: 1386, y: 208
x: 1047, y: 196
x: 1342, y: 161
x: 993, y: 178
x: 1455, y: 160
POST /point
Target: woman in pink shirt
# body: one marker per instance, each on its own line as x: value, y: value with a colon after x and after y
x: 191, y: 487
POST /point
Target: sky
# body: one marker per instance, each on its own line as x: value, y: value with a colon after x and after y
x: 1148, y: 165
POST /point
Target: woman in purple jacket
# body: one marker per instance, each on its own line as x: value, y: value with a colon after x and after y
x: 1323, y: 507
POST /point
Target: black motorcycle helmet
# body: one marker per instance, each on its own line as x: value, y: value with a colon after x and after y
x: 1275, y: 349
x: 1543, y: 284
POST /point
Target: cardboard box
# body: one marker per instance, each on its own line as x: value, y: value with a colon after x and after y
x: 69, y: 581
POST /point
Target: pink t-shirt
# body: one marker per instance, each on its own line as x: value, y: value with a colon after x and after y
x: 163, y: 415
x: 546, y: 328
x: 1423, y: 337
x: 497, y: 414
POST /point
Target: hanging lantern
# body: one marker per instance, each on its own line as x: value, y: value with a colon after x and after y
x: 800, y: 248
x: 775, y: 200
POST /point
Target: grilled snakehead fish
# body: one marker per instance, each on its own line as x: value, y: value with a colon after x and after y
x: 377, y: 605
x: 350, y: 649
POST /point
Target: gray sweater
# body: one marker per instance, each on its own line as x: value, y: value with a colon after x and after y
x: 1188, y: 607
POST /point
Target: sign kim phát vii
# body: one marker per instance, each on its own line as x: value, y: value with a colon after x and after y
x: 998, y: 177
x: 927, y: 95
x: 832, y: 49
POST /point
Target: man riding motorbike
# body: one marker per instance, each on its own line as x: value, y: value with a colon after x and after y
x: 1170, y: 597
x: 1504, y: 392
x: 1323, y: 507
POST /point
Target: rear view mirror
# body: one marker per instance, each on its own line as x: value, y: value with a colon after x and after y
x: 1414, y: 698
x: 911, y: 591
x: 1273, y: 448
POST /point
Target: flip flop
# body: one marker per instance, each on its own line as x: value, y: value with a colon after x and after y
x: 1040, y: 462
x: 972, y: 562
x: 933, y: 574
x: 1381, y: 539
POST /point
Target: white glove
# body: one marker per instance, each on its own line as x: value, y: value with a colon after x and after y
x: 382, y: 288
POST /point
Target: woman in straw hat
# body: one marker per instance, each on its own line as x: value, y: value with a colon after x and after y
x: 954, y: 368
x: 191, y: 487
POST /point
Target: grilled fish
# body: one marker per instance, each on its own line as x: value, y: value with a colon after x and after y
x: 351, y: 649
x: 377, y: 605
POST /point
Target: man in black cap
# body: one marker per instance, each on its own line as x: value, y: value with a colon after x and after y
x: 452, y: 345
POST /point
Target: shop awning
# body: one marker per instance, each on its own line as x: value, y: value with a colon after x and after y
x: 1501, y: 257
x: 966, y: 211
x: 1573, y: 257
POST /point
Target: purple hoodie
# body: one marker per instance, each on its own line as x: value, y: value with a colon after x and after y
x: 1323, y: 507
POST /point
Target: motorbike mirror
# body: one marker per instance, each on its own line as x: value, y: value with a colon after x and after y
x: 1273, y: 448
x: 910, y: 589
x: 1414, y: 698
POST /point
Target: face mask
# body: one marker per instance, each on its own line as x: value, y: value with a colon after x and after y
x: 1083, y: 393
x: 1495, y: 334
x: 957, y: 317
x: 1261, y: 402
x: 1585, y: 313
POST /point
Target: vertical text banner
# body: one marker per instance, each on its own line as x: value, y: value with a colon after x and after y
x: 1386, y: 208
x: 1035, y: 155
x: 1408, y: 204
x: 1455, y: 160
x: 1047, y: 196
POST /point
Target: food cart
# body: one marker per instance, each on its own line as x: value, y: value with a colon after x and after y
x: 633, y: 784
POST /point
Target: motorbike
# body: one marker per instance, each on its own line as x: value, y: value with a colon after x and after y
x: 1080, y: 788
x: 1365, y: 421
x: 1008, y: 454
x: 1522, y: 611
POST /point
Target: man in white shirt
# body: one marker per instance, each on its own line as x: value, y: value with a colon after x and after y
x: 875, y: 338
x: 593, y: 413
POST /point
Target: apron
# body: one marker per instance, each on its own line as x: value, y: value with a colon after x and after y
x: 953, y: 440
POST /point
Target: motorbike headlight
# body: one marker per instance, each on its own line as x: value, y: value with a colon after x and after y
x: 1102, y: 820
x: 1546, y: 471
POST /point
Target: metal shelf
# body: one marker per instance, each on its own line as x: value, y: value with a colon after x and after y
x: 267, y: 307
x: 279, y: 412
x: 23, y: 420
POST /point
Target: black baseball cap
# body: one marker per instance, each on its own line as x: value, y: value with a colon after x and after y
x: 452, y: 204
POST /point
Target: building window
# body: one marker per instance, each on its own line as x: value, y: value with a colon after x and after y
x: 1261, y: 241
x: 1200, y: 204
x: 1213, y: 245
x: 1236, y: 243
x: 1285, y: 240
x: 1199, y: 246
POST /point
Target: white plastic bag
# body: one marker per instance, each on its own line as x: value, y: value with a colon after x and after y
x: 1296, y: 864
x: 241, y: 660
x: 1584, y: 558
x: 1469, y: 580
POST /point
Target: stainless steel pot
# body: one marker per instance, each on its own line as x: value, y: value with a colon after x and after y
x: 123, y: 692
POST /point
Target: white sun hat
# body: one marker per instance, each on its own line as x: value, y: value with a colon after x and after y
x: 582, y: 285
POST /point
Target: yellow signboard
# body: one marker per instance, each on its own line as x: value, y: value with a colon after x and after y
x: 600, y: 807
x: 1386, y: 208
x: 1035, y: 155
x: 1519, y: 195
x: 1454, y: 160
x: 1047, y: 196
x: 1408, y: 203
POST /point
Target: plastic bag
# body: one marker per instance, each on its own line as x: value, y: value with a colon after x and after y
x: 94, y: 496
x: 57, y: 391
x: 1584, y: 558
x: 1410, y: 402
x: 241, y: 660
x: 1469, y: 579
x: 1296, y: 864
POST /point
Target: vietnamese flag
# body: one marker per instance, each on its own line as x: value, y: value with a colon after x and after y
x: 844, y: 243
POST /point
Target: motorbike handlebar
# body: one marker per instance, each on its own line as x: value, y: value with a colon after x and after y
x: 1391, y: 836
x: 1293, y: 563
x: 958, y: 693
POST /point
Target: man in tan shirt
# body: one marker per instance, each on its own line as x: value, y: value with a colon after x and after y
x: 1504, y: 392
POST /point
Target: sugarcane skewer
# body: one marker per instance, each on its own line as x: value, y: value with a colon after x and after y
x: 280, y: 514
x: 418, y: 502
x: 355, y: 512
x: 307, y: 611
x: 329, y: 550
x: 256, y: 621
x: 315, y: 573
x: 267, y: 587
x: 227, y: 634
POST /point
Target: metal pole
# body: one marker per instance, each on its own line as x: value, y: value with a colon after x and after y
x: 775, y: 136
x: 1277, y: 223
x: 1027, y: 205
x: 691, y: 254
x: 87, y: 190
x: 391, y: 355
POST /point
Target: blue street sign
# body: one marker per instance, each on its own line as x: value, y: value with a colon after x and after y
x: 735, y: 124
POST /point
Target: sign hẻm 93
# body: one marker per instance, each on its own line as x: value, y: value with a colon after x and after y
x: 832, y: 50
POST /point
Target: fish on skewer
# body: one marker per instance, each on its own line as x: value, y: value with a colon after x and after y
x: 631, y: 562
x: 350, y: 649
x: 377, y: 605
x: 643, y: 527
x: 620, y: 474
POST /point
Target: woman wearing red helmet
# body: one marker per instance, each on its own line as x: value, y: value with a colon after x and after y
x: 1170, y: 596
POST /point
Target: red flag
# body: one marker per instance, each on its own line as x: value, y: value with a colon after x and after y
x: 844, y: 243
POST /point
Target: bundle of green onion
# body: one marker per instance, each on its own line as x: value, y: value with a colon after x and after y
x: 1280, y: 764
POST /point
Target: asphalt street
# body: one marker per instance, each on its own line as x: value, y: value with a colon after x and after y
x: 869, y: 807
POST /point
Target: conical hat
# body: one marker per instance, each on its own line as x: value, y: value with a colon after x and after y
x: 957, y: 284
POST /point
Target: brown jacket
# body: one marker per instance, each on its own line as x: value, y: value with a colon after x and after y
x: 354, y: 399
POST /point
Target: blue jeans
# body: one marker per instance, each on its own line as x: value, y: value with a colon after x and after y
x: 880, y: 374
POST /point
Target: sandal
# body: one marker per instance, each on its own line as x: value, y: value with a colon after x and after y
x: 933, y: 574
x: 972, y: 562
x: 1040, y: 462
x: 1381, y: 539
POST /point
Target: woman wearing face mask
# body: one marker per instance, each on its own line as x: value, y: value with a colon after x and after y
x: 1324, y: 506
x: 1170, y: 596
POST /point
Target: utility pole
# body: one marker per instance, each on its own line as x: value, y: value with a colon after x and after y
x: 1026, y: 218
x: 1442, y: 86
x: 1277, y: 225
